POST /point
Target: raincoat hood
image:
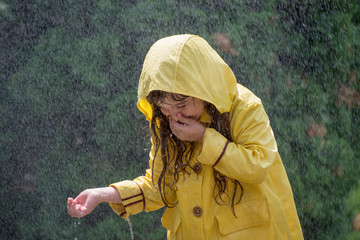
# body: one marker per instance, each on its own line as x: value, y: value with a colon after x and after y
x: 186, y: 64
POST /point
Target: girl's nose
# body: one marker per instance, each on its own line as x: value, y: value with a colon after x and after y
x: 170, y: 113
x: 173, y: 116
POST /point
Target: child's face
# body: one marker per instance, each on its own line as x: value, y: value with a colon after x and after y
x: 188, y: 107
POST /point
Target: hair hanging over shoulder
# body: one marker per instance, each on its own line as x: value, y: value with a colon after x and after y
x: 176, y: 154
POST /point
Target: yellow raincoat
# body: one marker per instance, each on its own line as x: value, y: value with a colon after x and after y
x: 186, y: 64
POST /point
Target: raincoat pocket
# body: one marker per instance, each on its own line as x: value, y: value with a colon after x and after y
x: 171, y: 221
x: 248, y: 214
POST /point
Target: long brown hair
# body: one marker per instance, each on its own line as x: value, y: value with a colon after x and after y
x: 176, y: 154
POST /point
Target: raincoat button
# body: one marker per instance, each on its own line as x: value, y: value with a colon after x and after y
x: 197, y: 168
x: 197, y: 211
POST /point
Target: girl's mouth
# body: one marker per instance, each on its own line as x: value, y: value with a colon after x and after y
x: 180, y: 122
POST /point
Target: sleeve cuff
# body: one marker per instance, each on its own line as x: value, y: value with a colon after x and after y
x: 213, y: 147
x: 132, y: 196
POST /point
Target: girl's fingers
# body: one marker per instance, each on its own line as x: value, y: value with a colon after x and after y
x: 73, y: 209
x: 181, y: 118
x: 69, y: 203
x: 184, y: 119
x: 75, y: 212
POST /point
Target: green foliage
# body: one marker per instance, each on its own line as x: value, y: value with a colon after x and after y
x: 69, y: 73
x: 353, y: 200
x: 353, y: 206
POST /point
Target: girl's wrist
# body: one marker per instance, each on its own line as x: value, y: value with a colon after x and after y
x: 111, y: 194
x: 201, y: 135
x: 106, y: 194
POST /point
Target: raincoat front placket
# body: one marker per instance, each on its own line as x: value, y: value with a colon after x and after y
x: 195, y: 210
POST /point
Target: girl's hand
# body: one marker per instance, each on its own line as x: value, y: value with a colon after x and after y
x: 88, y: 200
x: 83, y: 204
x: 187, y: 129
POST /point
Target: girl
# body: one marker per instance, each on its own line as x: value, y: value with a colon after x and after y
x: 214, y: 161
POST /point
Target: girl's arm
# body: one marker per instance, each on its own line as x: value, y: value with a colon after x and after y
x: 253, y: 150
x: 88, y: 200
x: 141, y: 194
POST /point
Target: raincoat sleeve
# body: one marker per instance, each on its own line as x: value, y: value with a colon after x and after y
x: 141, y: 194
x: 249, y: 157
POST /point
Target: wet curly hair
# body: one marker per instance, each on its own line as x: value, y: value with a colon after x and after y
x: 177, y: 154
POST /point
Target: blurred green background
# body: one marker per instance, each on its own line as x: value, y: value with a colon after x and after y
x: 68, y: 82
